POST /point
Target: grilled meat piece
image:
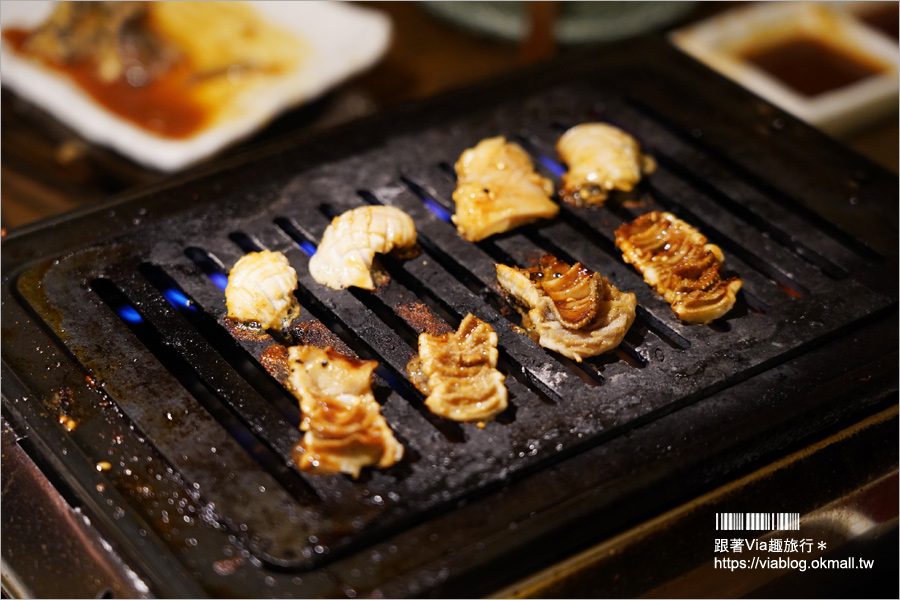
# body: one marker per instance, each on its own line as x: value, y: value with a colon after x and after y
x: 261, y: 289
x: 570, y: 309
x: 345, y: 430
x: 498, y: 190
x: 114, y: 36
x: 348, y: 247
x: 601, y: 158
x: 458, y: 372
x: 676, y: 259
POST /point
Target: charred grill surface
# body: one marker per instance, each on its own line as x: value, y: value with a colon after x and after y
x: 117, y: 324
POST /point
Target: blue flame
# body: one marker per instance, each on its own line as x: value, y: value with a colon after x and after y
x: 178, y: 299
x: 128, y: 313
x: 308, y: 247
x: 220, y: 279
x: 552, y: 165
x: 436, y: 209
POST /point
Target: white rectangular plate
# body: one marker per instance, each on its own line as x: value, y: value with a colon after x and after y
x: 343, y: 40
x: 718, y: 40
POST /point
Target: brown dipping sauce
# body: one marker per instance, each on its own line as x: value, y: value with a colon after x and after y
x: 810, y: 65
x: 163, y: 107
x: 885, y: 18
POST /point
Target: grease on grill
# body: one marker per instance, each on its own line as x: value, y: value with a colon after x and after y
x: 315, y: 333
x: 244, y: 332
x: 274, y: 360
x: 61, y: 403
x: 421, y: 318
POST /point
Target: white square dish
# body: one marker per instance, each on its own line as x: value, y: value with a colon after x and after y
x: 723, y: 41
x: 341, y: 39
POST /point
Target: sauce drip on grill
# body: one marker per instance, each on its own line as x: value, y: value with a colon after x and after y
x: 810, y: 65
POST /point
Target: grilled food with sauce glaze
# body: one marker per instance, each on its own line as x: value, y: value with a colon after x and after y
x: 497, y: 190
x: 261, y: 289
x: 458, y: 372
x: 601, y: 158
x: 115, y: 38
x: 344, y: 257
x: 345, y: 430
x: 570, y: 309
x: 676, y: 259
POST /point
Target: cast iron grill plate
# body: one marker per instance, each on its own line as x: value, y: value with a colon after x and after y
x: 140, y: 315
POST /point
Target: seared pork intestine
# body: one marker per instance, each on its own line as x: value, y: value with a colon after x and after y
x: 498, y: 190
x: 344, y: 257
x: 458, y: 372
x: 676, y: 259
x: 261, y: 289
x: 112, y: 36
x: 601, y: 158
x: 570, y: 309
x: 345, y: 430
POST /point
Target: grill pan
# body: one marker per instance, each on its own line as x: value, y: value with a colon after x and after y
x: 164, y: 426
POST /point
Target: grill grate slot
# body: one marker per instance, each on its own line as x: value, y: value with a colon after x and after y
x: 185, y: 432
x: 587, y: 371
x: 437, y: 209
x: 287, y: 226
x: 245, y: 242
x: 210, y: 266
x: 758, y: 182
x: 731, y: 246
x: 662, y: 331
x: 660, y: 144
x: 236, y: 356
x: 665, y: 188
x: 739, y: 210
x: 259, y: 433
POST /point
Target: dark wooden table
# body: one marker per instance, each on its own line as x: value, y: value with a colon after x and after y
x: 47, y: 169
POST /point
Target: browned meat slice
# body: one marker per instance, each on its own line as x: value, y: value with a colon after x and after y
x: 601, y: 158
x: 498, y: 190
x: 261, y: 289
x: 349, y: 244
x: 458, y: 372
x: 570, y: 309
x: 344, y: 427
x: 676, y: 259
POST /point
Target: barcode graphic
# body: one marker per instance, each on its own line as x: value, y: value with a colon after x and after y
x: 757, y: 521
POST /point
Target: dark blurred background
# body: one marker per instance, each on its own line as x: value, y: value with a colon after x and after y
x: 47, y: 169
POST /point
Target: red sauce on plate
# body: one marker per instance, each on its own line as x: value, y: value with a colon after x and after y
x: 810, y: 65
x: 163, y: 107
